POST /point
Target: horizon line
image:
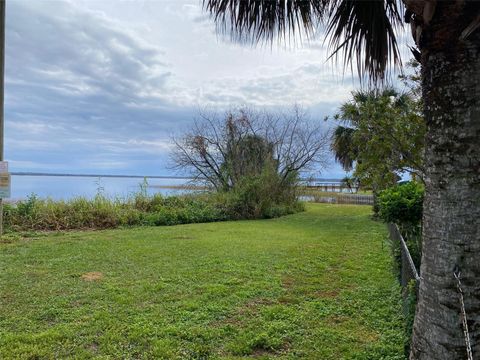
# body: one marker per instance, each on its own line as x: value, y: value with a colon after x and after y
x: 30, y: 173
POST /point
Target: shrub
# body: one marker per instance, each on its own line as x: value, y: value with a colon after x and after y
x: 262, y: 196
x: 402, y: 204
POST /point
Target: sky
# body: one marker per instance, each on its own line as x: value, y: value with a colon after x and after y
x: 102, y: 86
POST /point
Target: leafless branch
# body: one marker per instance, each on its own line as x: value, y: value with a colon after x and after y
x: 214, y: 150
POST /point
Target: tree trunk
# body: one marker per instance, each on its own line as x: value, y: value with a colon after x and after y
x: 451, y: 231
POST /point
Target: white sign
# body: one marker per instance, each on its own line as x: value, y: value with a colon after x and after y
x: 4, y: 180
x: 3, y: 167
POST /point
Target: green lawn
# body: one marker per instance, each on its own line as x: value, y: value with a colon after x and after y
x: 315, y: 285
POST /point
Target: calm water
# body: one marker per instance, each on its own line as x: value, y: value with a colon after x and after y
x: 66, y: 187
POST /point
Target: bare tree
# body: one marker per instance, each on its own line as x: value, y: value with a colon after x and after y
x: 221, y: 149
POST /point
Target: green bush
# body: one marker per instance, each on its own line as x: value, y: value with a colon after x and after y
x: 402, y: 204
x: 262, y: 196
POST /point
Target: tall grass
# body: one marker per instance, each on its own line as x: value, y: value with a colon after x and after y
x: 139, y: 209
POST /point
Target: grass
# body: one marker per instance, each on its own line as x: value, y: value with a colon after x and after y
x: 314, y: 285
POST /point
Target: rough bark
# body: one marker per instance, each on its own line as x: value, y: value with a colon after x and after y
x: 451, y: 232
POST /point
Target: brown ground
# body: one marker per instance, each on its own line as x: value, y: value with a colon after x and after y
x: 92, y: 276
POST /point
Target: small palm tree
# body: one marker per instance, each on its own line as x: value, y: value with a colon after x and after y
x: 447, y: 38
x: 351, y: 183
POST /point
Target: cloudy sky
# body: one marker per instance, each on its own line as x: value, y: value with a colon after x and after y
x: 101, y: 86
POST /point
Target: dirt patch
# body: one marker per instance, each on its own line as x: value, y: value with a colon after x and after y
x: 92, y: 276
x: 288, y: 282
x: 330, y: 294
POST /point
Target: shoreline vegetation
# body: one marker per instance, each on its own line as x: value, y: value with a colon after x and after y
x: 312, y: 190
x: 141, y: 209
x: 198, y: 204
x: 255, y: 199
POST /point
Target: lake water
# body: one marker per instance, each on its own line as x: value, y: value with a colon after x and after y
x: 67, y: 187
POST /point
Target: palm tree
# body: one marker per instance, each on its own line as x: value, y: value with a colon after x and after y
x: 383, y: 133
x: 351, y: 183
x: 447, y: 37
x: 343, y: 148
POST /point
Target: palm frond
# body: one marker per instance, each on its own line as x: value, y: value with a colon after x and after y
x: 362, y: 30
x: 265, y: 19
x: 343, y: 147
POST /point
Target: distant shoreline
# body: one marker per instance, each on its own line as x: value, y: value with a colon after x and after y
x: 21, y: 173
x: 101, y: 175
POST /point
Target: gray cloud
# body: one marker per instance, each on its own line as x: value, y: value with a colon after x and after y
x: 75, y: 54
x: 74, y: 79
x: 88, y: 91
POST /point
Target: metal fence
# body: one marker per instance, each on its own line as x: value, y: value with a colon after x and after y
x: 409, y: 275
x: 355, y: 199
x: 336, y: 198
x: 408, y: 271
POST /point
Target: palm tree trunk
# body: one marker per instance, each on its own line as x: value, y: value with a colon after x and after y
x: 451, y: 232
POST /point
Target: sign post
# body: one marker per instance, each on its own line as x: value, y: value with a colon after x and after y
x: 2, y: 89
